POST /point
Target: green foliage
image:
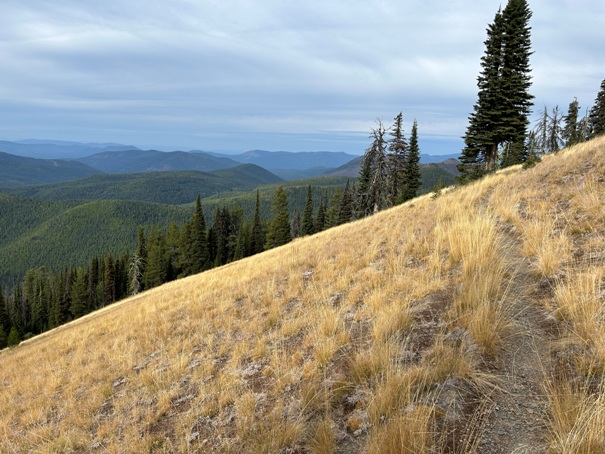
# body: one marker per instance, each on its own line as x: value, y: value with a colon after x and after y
x: 501, y: 113
x: 13, y: 337
x: 307, y: 222
x: 3, y: 338
x: 279, y: 229
x: 412, y: 167
x: 597, y: 113
x: 174, y: 188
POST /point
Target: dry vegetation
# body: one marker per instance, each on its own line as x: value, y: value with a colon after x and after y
x: 425, y: 328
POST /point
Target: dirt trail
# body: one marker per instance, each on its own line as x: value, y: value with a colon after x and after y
x: 516, y: 422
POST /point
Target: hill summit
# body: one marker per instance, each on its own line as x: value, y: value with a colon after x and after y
x: 467, y: 321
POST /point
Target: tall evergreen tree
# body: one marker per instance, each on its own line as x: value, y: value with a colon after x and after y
x: 279, y: 229
x: 13, y: 338
x: 412, y: 166
x: 79, y: 299
x: 345, y: 212
x: 500, y: 118
x: 109, y: 284
x: 597, y: 113
x: 257, y: 242
x: 320, y: 220
x: 398, y: 155
x: 571, y: 129
x: 199, y: 240
x: 307, y: 227
x: 295, y: 225
x: 4, y: 318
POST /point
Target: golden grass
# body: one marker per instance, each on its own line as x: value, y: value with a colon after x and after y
x: 344, y: 335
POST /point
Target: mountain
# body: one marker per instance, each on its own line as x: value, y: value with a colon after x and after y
x: 465, y: 322
x: 132, y: 161
x: 287, y: 160
x: 58, y: 149
x: 170, y: 187
x: 431, y: 174
x: 351, y: 168
x: 19, y: 171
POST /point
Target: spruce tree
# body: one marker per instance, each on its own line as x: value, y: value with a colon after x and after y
x: 199, y: 241
x: 498, y: 126
x: 345, y: 212
x: 398, y: 155
x: 307, y: 227
x: 295, y: 226
x: 279, y: 229
x: 412, y: 166
x: 571, y: 130
x: 597, y: 113
x: 13, y: 338
x: 320, y: 220
x: 4, y: 318
x: 3, y: 338
x: 257, y: 242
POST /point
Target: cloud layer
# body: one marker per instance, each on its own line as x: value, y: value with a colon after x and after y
x: 271, y: 74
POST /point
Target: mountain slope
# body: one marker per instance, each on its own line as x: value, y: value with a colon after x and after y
x: 170, y: 187
x: 302, y: 160
x: 469, y: 322
x: 58, y: 149
x: 133, y: 161
x: 19, y: 171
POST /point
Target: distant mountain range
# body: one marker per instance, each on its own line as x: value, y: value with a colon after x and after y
x: 74, y: 160
x: 20, y: 170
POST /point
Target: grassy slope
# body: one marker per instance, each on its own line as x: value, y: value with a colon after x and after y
x: 378, y: 336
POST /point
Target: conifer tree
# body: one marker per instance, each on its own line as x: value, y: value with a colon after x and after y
x: 345, y: 212
x: 79, y: 298
x: 109, y: 285
x: 4, y: 318
x: 571, y: 130
x: 412, y: 166
x: 13, y: 338
x: 257, y: 241
x: 398, y: 155
x: 333, y: 208
x: 3, y: 338
x: 320, y: 220
x: 307, y: 227
x: 597, y: 113
x: 498, y: 126
x: 279, y: 229
x: 295, y: 227
x: 199, y: 240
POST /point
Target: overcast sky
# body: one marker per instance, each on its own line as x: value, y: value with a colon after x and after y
x: 271, y: 74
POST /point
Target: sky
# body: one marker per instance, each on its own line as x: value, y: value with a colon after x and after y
x: 236, y: 75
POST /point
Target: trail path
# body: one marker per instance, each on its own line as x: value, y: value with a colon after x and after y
x: 516, y: 422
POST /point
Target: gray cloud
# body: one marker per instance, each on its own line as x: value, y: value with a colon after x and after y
x: 243, y: 74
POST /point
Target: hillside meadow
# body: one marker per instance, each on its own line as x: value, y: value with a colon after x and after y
x: 470, y: 321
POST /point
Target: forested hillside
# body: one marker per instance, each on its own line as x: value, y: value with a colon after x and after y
x: 19, y: 171
x: 174, y: 187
